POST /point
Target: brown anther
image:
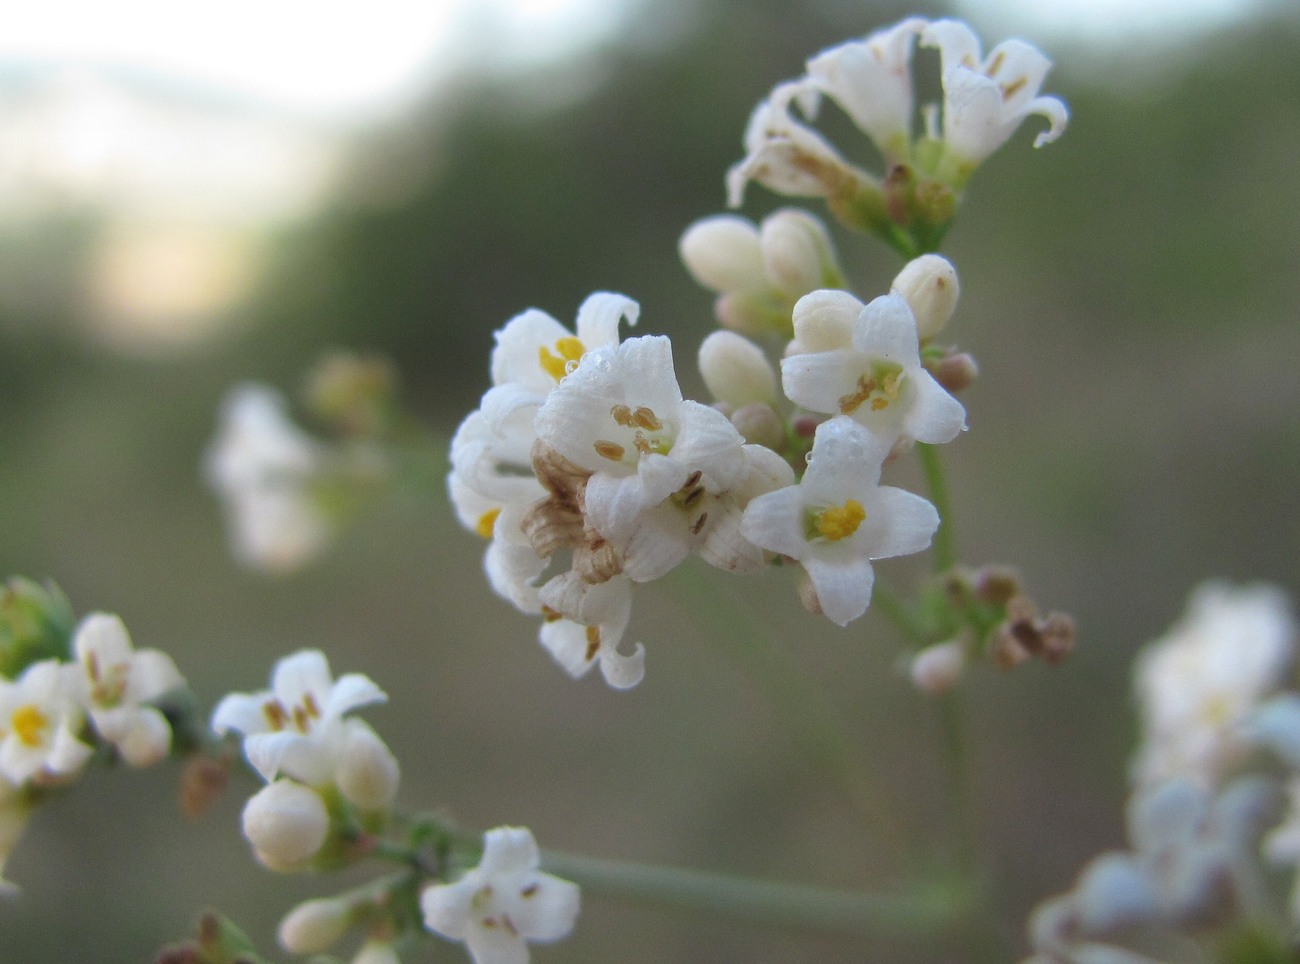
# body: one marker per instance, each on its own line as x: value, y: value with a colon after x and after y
x: 611, y: 450
x: 1025, y: 634
x: 556, y: 521
x: 550, y: 615
x: 692, y: 479
x: 276, y: 715
x: 529, y: 891
x: 996, y: 63
x: 699, y: 523
x: 646, y: 418
x: 309, y: 704
x: 301, y: 719
x: 1010, y: 90
x: 622, y: 415
x: 593, y: 647
x: 850, y: 403
x: 92, y: 666
x: 693, y: 496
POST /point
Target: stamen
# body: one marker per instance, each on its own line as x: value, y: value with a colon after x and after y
x: 609, y: 450
x: 646, y: 418
x: 593, y: 647
x: 487, y: 523
x: 699, y: 523
x: 1010, y: 90
x: 28, y: 724
x: 529, y: 891
x: 309, y: 704
x: 568, y: 351
x: 622, y: 415
x: 551, y: 615
x: 996, y: 63
x: 276, y: 715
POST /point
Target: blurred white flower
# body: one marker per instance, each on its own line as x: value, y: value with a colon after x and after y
x: 1197, y: 686
x: 839, y: 518
x: 297, y: 726
x: 583, y: 625
x: 40, y: 718
x: 263, y: 466
x: 286, y: 823
x: 503, y: 902
x: 118, y: 682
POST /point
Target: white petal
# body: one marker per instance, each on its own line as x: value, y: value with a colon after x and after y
x: 303, y: 672
x: 599, y: 315
x: 887, y: 329
x: 447, y: 907
x: 104, y: 636
x: 153, y: 673
x: 898, y: 523
x: 843, y: 586
x: 548, y: 911
x: 824, y: 321
x: 818, y: 380
x: 723, y: 254
x: 353, y: 690
x: 508, y: 850
x: 775, y: 521
x: 242, y: 712
x: 518, y: 343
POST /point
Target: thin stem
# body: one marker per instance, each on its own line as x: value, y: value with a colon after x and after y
x: 923, y: 912
x: 893, y: 608
x: 945, y: 546
x: 821, y: 728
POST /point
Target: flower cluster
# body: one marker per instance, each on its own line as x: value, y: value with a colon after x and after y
x: 585, y: 447
x: 57, y: 712
x: 313, y: 756
x: 1204, y: 817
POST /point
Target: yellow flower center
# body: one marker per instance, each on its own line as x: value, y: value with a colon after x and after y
x: 564, y: 358
x: 29, y: 723
x: 839, y: 522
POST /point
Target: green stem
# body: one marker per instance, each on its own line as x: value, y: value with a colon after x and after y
x: 924, y: 912
x: 887, y: 603
x: 945, y: 547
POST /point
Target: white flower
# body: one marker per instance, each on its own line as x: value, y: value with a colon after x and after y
x: 872, y: 80
x: 535, y: 352
x: 502, y: 902
x: 262, y: 466
x: 118, y: 681
x: 985, y: 100
x: 787, y: 156
x: 316, y: 925
x: 583, y: 625
x: 839, y: 518
x: 877, y: 379
x: 297, y: 727
x: 654, y: 456
x: 1197, y: 686
x: 39, y: 722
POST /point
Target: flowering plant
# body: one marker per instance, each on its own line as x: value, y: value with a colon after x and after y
x: 589, y: 474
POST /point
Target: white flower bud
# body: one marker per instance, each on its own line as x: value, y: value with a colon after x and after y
x: 759, y: 424
x: 797, y: 252
x: 929, y: 285
x: 286, y: 823
x: 376, y: 952
x: 367, y: 771
x: 722, y: 253
x: 148, y: 741
x: 315, y: 926
x: 735, y: 370
x: 936, y: 669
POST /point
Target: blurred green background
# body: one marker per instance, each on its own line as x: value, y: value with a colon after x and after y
x: 1130, y: 293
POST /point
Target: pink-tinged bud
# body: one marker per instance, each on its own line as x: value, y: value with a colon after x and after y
x: 936, y: 669
x: 286, y: 823
x: 955, y: 372
x: 367, y: 773
x: 929, y: 285
x: 760, y: 425
x: 797, y: 252
x: 723, y: 254
x: 315, y: 926
x: 735, y: 370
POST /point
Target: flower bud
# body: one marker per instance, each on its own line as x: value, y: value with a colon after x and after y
x: 936, y: 669
x: 286, y: 823
x: 315, y: 926
x: 759, y: 425
x: 955, y: 373
x: 747, y: 314
x: 735, y: 370
x: 722, y: 253
x: 377, y: 952
x: 36, y: 623
x: 929, y: 284
x: 367, y: 772
x: 148, y: 741
x: 797, y: 252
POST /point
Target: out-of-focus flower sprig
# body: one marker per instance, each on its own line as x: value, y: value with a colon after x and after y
x: 1214, y: 807
x: 72, y: 692
x: 287, y: 491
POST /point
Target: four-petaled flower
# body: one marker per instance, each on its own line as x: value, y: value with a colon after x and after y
x: 297, y: 727
x: 877, y: 377
x: 39, y: 722
x: 503, y: 902
x: 839, y: 518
